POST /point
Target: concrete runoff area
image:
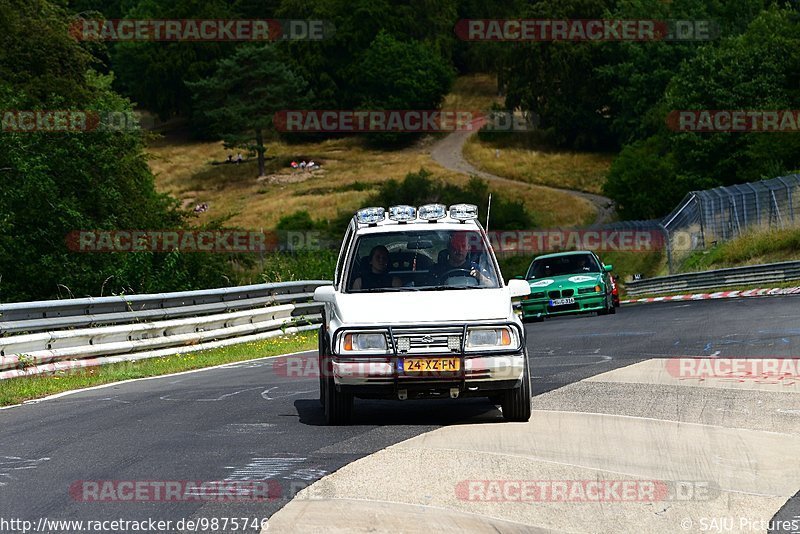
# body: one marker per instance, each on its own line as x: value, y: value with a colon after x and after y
x: 720, y: 452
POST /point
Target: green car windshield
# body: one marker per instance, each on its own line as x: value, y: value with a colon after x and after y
x: 563, y: 265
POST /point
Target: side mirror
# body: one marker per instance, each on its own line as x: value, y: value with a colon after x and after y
x: 608, y: 268
x: 518, y: 288
x: 324, y: 294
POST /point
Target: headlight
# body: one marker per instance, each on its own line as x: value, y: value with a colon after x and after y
x: 491, y: 338
x: 364, y: 342
x: 595, y: 289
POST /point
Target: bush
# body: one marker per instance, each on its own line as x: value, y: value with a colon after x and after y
x: 300, y: 265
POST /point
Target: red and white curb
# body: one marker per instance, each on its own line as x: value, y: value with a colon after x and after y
x: 719, y: 295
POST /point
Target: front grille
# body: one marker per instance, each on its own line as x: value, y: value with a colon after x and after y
x: 566, y: 307
x: 554, y: 294
x: 567, y: 292
x: 428, y: 341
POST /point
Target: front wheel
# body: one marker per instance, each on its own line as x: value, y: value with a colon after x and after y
x: 338, y: 405
x: 516, y: 403
x: 321, y: 361
x: 609, y: 307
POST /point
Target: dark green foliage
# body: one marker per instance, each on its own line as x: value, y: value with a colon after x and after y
x: 643, y: 180
x: 400, y: 75
x: 757, y: 70
x: 300, y: 265
x: 54, y: 183
x: 246, y: 90
x: 556, y: 80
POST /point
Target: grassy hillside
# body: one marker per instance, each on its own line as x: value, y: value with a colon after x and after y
x: 753, y: 248
x: 194, y: 172
x: 582, y: 171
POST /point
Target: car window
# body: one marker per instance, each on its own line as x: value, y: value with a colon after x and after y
x: 563, y: 265
x: 421, y: 260
x: 342, y: 255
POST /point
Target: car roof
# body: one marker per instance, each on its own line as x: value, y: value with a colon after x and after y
x: 569, y: 253
x: 393, y: 226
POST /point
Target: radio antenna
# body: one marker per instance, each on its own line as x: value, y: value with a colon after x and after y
x: 488, y: 211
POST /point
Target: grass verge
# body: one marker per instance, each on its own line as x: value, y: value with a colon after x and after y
x: 581, y: 171
x: 17, y: 390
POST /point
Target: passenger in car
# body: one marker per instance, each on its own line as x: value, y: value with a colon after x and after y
x: 376, y: 275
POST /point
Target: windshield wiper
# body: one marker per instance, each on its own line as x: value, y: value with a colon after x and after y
x: 384, y: 289
x: 443, y: 288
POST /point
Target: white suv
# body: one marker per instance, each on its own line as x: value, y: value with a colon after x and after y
x: 418, y: 309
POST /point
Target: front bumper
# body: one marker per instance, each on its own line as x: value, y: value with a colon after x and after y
x: 384, y: 377
x: 583, y: 303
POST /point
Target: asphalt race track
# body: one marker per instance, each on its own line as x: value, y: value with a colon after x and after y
x: 259, y: 420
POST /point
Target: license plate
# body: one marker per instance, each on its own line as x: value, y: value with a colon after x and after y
x: 562, y: 302
x: 431, y: 364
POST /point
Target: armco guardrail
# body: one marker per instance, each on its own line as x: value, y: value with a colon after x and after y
x: 56, y: 314
x: 156, y: 325
x: 735, y: 276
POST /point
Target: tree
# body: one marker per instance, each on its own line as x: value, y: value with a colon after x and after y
x: 154, y: 74
x: 55, y: 183
x: 394, y: 75
x: 557, y: 80
x: 757, y: 70
x: 242, y: 96
x: 401, y: 75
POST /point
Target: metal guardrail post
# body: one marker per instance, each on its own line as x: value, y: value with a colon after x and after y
x: 669, y: 247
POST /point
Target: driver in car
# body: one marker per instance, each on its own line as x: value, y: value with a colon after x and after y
x: 458, y: 260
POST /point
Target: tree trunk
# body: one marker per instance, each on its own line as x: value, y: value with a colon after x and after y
x: 260, y: 151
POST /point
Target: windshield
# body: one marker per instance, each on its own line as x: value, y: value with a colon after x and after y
x: 563, y: 265
x: 421, y: 260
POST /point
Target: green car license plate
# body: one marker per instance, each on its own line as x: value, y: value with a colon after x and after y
x: 561, y: 302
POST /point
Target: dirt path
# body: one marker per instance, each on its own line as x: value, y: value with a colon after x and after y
x: 449, y: 154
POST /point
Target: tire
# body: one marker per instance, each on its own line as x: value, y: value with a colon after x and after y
x: 321, y: 355
x: 338, y: 405
x: 533, y: 320
x: 516, y: 403
x: 608, y: 309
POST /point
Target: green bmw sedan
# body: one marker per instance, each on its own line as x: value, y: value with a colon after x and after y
x: 567, y: 283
